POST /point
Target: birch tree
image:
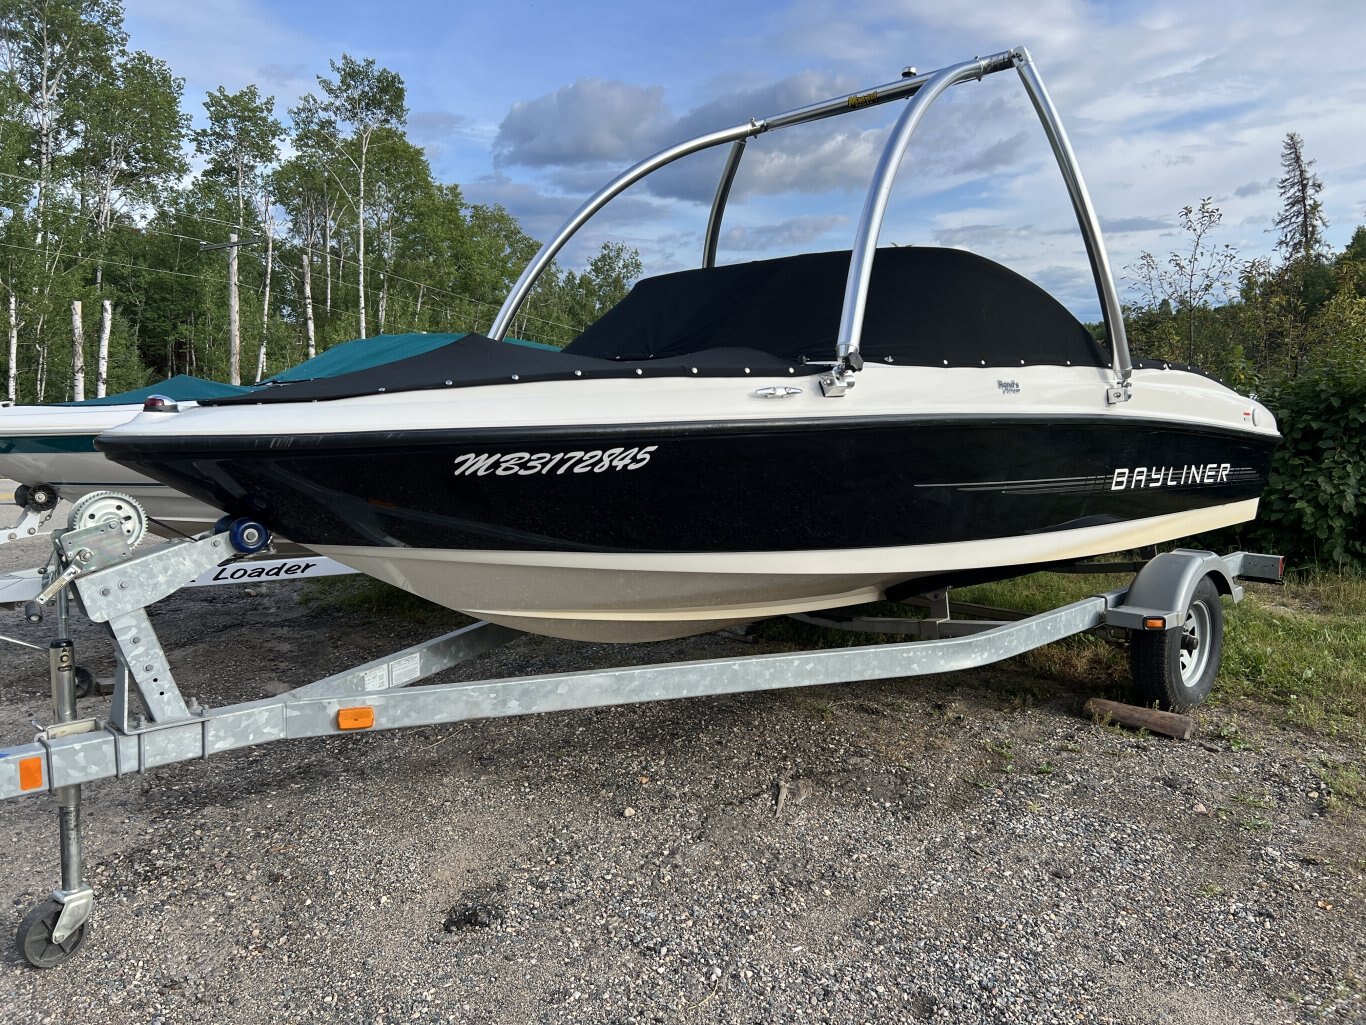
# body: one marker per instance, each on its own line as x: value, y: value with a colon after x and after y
x: 240, y: 142
x: 362, y: 100
x: 47, y: 47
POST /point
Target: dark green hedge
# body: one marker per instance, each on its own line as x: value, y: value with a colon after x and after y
x: 1314, y: 507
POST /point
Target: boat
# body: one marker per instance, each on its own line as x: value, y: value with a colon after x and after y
x: 735, y: 442
x: 48, y: 449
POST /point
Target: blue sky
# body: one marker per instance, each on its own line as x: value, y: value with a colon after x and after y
x: 535, y: 105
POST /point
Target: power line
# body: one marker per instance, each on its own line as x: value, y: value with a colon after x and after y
x: 370, y: 291
x: 259, y: 290
x: 135, y: 266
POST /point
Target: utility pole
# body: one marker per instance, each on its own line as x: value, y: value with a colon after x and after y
x: 234, y: 318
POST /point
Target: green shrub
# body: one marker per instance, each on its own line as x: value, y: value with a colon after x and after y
x: 1314, y: 509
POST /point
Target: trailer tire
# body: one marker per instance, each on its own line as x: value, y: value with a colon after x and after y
x: 1175, y: 669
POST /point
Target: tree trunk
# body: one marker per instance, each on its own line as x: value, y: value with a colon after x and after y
x: 383, y: 301
x: 42, y: 354
x: 265, y: 303
x: 13, y: 382
x: 102, y: 357
x: 77, y: 353
x: 327, y: 259
x: 360, y: 237
x: 234, y: 321
x: 417, y: 314
x: 308, y: 304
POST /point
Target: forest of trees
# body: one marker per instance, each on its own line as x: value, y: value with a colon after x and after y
x: 118, y: 222
x: 1293, y: 332
x: 343, y: 231
x: 134, y: 247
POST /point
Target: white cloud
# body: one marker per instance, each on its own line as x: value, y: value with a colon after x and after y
x: 795, y: 233
x: 590, y: 121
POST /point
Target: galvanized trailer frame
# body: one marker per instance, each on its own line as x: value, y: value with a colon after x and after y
x: 152, y: 723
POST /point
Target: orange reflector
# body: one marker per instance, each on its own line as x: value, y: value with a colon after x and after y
x: 1155, y: 623
x: 361, y: 717
x: 30, y: 773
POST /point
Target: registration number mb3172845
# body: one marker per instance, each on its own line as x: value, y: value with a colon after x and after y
x: 524, y: 464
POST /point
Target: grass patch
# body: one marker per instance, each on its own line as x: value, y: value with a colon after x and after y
x: 1345, y: 786
x: 1302, y: 649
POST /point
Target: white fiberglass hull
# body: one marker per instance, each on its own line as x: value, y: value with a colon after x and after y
x: 630, y: 597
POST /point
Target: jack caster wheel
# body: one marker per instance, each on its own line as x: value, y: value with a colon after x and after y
x: 1175, y: 669
x: 35, y: 936
x: 21, y: 495
x: 85, y: 682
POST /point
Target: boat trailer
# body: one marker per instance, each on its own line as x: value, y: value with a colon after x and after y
x: 151, y: 722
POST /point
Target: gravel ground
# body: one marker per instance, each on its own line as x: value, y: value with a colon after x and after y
x: 959, y: 849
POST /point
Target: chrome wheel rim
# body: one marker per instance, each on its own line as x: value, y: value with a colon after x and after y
x: 1195, y: 634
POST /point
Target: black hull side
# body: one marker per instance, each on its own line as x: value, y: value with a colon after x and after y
x: 712, y: 487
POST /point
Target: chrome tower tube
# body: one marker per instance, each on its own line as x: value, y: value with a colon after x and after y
x: 813, y: 112
x: 1086, y: 219
x: 875, y: 205
x: 923, y: 89
x: 596, y: 202
x: 718, y: 205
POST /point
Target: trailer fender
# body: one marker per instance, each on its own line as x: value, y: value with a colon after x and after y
x: 1165, y: 586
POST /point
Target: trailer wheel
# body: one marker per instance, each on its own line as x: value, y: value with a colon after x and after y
x: 1175, y: 669
x: 35, y: 936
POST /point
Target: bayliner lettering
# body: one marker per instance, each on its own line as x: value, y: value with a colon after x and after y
x: 526, y: 464
x: 1129, y: 478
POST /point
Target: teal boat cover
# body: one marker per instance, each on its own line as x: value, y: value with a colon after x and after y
x: 364, y: 353
x: 182, y: 388
x: 346, y: 358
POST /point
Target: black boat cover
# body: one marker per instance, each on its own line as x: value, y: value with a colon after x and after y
x: 926, y: 307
